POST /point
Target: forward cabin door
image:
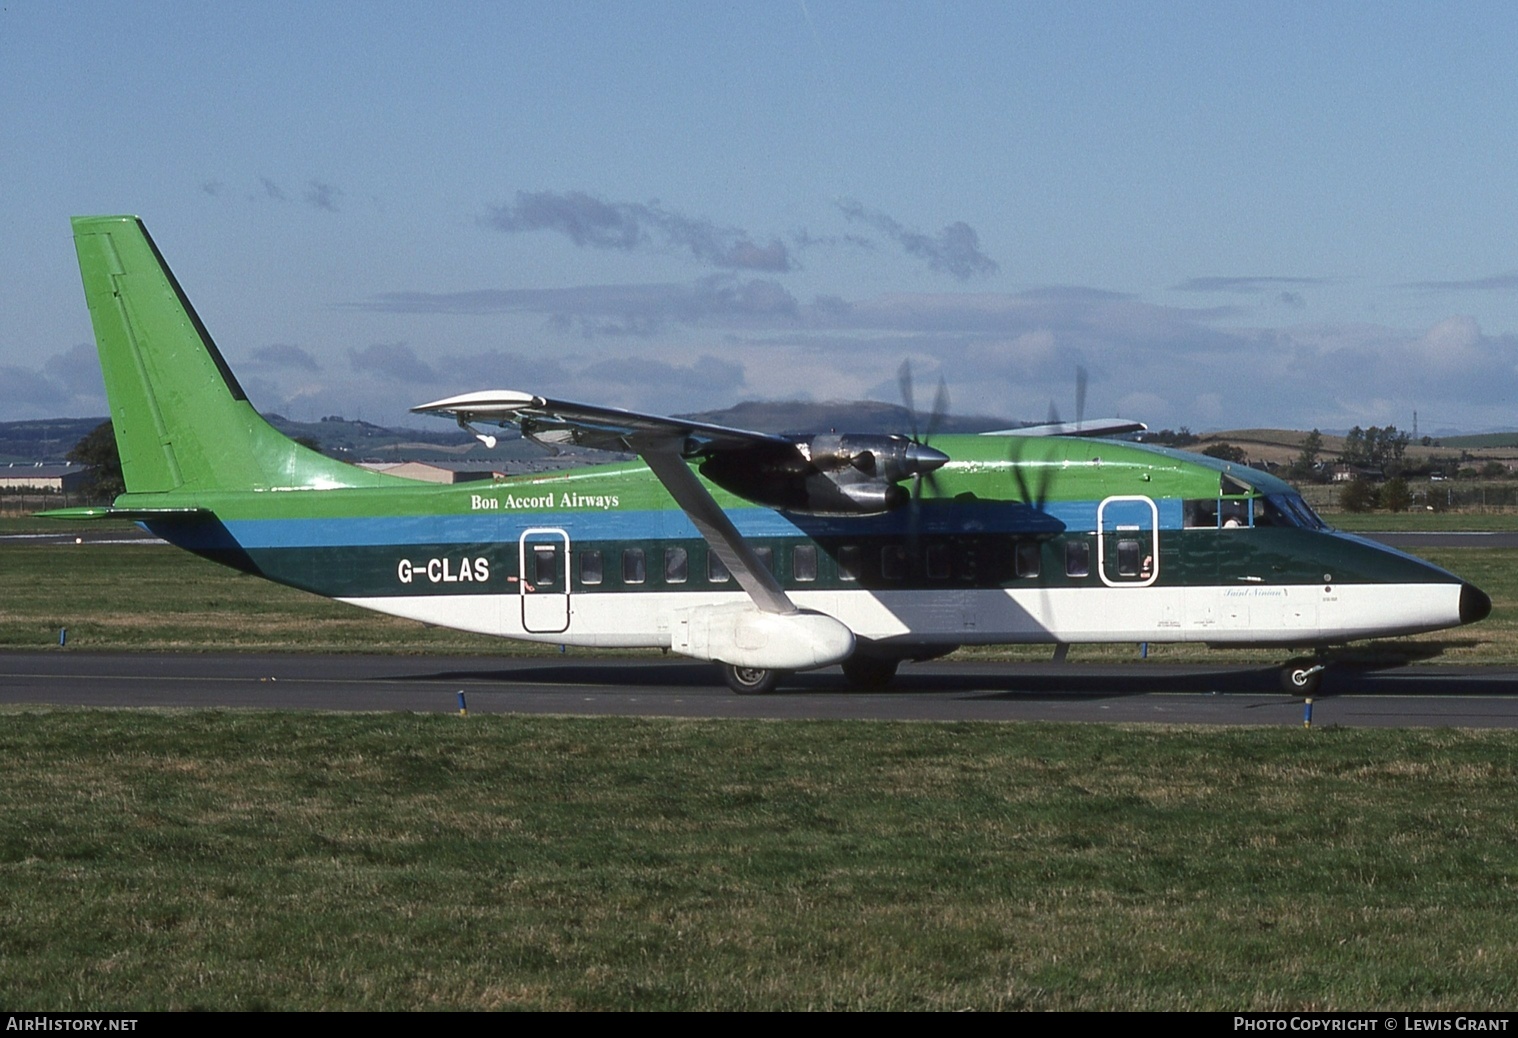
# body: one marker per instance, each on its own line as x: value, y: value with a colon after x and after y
x: 543, y: 564
x: 1128, y: 541
x: 1128, y: 555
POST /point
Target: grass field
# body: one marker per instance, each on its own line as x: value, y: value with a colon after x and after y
x: 177, y: 860
x: 1437, y: 522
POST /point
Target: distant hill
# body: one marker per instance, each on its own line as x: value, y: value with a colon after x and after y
x: 45, y: 439
x: 1500, y: 439
x: 50, y: 439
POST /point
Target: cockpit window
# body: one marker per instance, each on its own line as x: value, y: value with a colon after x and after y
x: 1224, y: 513
x: 1201, y: 514
x: 1230, y: 513
x: 1288, y: 510
x: 1234, y: 513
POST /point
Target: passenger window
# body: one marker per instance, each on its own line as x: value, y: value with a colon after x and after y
x: 716, y: 570
x: 676, y: 565
x: 850, y: 558
x: 766, y: 558
x: 590, y: 567
x: 939, y: 562
x: 804, y: 563
x: 632, y: 566
x: 893, y: 562
x: 1077, y: 559
x: 1127, y: 558
x: 1029, y: 559
x: 545, y: 557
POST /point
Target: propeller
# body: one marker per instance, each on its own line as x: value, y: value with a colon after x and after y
x: 920, y: 446
x: 1037, y: 496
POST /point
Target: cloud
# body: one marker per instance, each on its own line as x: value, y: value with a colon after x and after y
x: 712, y: 373
x: 804, y: 239
x: 77, y: 371
x: 954, y: 251
x: 592, y: 222
x: 392, y: 361
x: 1003, y: 353
x: 1246, y: 285
x: 1495, y: 283
x: 67, y: 385
x: 280, y: 355
x: 615, y: 309
x: 30, y: 393
x: 322, y: 196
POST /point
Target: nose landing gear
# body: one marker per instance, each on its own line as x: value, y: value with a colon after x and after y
x: 1302, y: 676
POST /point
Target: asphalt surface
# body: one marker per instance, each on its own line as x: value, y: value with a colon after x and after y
x: 1417, y: 696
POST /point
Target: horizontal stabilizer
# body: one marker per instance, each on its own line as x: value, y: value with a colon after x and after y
x: 136, y: 515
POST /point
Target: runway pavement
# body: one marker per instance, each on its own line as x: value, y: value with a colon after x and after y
x: 1419, y: 696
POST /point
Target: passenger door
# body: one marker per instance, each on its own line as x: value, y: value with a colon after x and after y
x: 1128, y: 541
x: 543, y: 564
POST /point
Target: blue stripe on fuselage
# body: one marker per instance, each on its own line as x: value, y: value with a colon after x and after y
x: 933, y: 518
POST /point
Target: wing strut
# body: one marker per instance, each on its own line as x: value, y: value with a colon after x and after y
x: 664, y: 460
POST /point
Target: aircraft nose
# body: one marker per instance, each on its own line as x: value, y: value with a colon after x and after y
x: 1475, y: 604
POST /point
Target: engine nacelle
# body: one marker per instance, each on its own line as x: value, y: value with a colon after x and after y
x: 829, y: 474
x: 745, y: 636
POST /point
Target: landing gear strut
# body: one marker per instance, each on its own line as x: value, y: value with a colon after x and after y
x: 751, y: 681
x: 1302, y: 676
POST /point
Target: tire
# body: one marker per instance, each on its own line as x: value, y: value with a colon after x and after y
x: 1300, y: 678
x: 870, y: 671
x: 751, y: 681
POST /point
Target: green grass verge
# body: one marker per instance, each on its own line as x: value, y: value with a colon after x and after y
x: 221, y: 860
x: 1422, y: 522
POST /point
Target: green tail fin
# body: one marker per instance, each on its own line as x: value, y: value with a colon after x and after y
x: 182, y: 421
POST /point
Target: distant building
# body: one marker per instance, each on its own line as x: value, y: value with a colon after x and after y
x: 48, y: 478
x: 1342, y: 473
x: 435, y: 471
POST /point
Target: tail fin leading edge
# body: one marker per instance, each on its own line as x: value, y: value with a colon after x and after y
x: 182, y: 420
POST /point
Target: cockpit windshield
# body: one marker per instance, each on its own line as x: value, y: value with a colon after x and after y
x: 1287, y: 510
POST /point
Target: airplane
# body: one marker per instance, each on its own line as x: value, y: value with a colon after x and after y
x: 764, y: 553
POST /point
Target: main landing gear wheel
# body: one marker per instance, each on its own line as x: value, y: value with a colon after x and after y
x: 870, y: 671
x: 751, y: 681
x: 1302, y: 676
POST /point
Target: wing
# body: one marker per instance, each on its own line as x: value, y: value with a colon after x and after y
x: 830, y: 474
x: 663, y: 444
x: 1089, y: 427
x: 603, y: 428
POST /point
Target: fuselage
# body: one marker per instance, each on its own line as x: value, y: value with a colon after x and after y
x: 1039, y: 540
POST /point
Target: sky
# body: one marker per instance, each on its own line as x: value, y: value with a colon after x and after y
x: 1230, y: 214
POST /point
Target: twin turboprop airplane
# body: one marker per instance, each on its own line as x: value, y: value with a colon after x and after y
x: 764, y: 553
